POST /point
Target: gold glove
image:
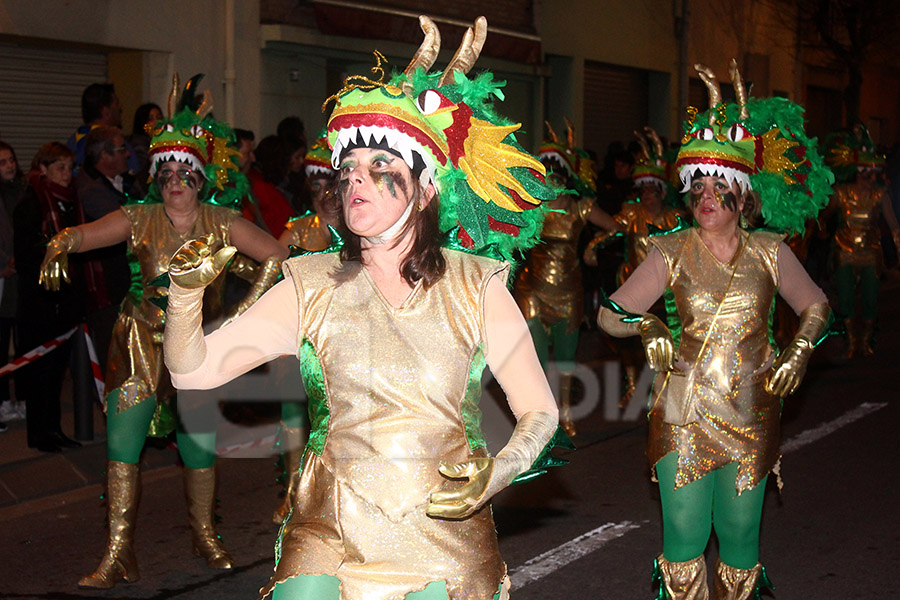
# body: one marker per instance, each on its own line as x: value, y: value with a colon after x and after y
x: 265, y: 278
x: 590, y: 251
x: 486, y: 475
x: 195, y: 266
x: 56, y: 259
x: 658, y: 345
x: 790, y: 366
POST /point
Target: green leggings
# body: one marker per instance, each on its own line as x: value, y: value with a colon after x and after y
x: 127, y: 430
x: 692, y: 511
x: 327, y: 587
x: 848, y: 278
x: 564, y: 344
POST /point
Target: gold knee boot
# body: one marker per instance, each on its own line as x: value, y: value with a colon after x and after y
x: 681, y: 580
x: 867, y: 338
x: 291, y: 442
x: 852, y: 338
x: 565, y: 403
x: 200, y: 491
x: 123, y: 489
x: 631, y: 375
x: 739, y: 584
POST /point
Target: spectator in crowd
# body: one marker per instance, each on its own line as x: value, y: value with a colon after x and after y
x: 12, y: 186
x: 49, y: 205
x: 99, y: 106
x: 139, y: 140
x: 266, y: 206
x: 292, y: 134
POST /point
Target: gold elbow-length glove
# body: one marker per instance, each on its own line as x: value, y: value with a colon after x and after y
x: 790, y: 366
x: 55, y: 265
x: 266, y: 276
x: 488, y: 475
x: 659, y: 348
x: 191, y: 269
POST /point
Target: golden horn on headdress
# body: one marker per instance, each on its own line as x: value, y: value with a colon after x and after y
x: 712, y: 84
x: 206, y: 105
x: 551, y: 133
x: 739, y: 91
x: 642, y: 142
x: 468, y: 52
x: 427, y: 52
x: 654, y: 137
x: 173, y: 96
x: 570, y: 132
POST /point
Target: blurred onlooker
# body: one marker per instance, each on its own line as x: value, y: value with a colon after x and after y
x: 145, y: 116
x: 268, y: 207
x: 49, y: 205
x: 103, y: 186
x: 99, y: 106
x: 12, y: 186
x: 292, y: 134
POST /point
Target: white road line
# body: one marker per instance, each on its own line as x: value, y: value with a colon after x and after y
x: 811, y: 435
x: 558, y: 557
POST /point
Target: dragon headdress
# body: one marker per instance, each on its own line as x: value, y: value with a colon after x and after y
x: 317, y: 162
x: 191, y: 135
x: 651, y: 167
x: 852, y: 151
x: 761, y: 144
x: 490, y: 187
x: 573, y: 164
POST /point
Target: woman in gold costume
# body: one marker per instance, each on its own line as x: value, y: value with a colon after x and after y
x: 650, y: 212
x: 549, y: 290
x: 393, y: 328
x: 714, y: 417
x: 191, y: 158
x: 859, y: 201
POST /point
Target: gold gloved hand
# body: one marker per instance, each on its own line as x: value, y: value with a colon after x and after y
x: 56, y: 258
x: 657, y: 341
x: 790, y: 366
x: 194, y: 265
x: 487, y: 475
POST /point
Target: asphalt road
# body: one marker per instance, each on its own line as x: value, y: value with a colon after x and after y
x: 587, y: 530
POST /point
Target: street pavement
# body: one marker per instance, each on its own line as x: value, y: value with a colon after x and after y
x: 587, y: 530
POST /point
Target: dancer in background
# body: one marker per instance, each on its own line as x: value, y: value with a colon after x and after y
x: 715, y: 414
x: 549, y: 289
x: 195, y: 191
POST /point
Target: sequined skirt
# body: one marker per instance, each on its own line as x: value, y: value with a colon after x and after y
x: 333, y: 531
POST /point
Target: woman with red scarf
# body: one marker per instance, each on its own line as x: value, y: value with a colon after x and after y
x: 48, y: 206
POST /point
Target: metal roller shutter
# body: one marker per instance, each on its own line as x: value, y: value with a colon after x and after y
x: 40, y: 94
x: 616, y: 102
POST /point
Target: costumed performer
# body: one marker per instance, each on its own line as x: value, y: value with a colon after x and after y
x: 393, y: 328
x: 859, y: 200
x: 310, y: 233
x: 195, y: 189
x: 652, y: 211
x: 549, y: 290
x: 714, y: 418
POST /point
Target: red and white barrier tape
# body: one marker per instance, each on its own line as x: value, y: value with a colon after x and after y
x: 95, y: 366
x: 35, y: 354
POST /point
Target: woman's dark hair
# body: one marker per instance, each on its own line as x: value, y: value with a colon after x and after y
x: 424, y: 260
x: 5, y: 146
x: 753, y: 209
x: 49, y: 153
x: 141, y: 116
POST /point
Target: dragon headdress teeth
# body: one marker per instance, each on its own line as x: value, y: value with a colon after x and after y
x: 190, y: 134
x: 317, y: 162
x: 650, y: 167
x: 573, y: 163
x: 488, y: 185
x: 852, y: 151
x: 761, y: 144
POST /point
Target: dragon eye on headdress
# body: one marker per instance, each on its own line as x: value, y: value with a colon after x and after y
x: 170, y: 128
x: 737, y: 132
x: 431, y: 101
x: 705, y: 134
x: 198, y: 131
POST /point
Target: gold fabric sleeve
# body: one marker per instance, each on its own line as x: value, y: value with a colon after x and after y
x: 486, y: 475
x: 56, y: 259
x: 265, y: 278
x: 612, y: 324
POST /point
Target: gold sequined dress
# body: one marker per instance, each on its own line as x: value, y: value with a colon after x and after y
x: 308, y: 232
x: 135, y: 364
x: 858, y: 236
x: 714, y: 409
x: 549, y: 287
x: 392, y: 393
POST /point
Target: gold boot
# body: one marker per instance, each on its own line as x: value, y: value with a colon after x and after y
x: 291, y: 442
x: 200, y: 491
x: 867, y: 338
x: 682, y: 580
x: 565, y: 403
x: 631, y: 375
x: 850, y: 327
x: 123, y: 489
x: 738, y: 584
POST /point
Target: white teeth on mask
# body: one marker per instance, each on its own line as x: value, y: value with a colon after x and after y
x: 729, y: 174
x: 395, y: 140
